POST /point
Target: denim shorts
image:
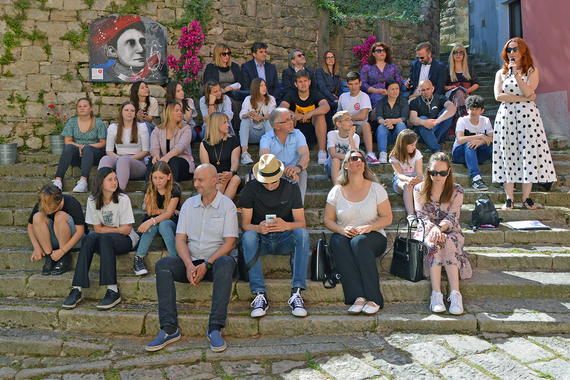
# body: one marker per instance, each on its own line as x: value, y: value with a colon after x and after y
x: 395, y: 181
x: 54, y: 242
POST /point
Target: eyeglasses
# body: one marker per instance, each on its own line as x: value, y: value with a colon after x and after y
x: 356, y: 158
x: 299, y: 55
x: 226, y: 53
x: 380, y: 51
x: 459, y: 52
x: 442, y: 173
x: 285, y: 121
x: 331, y: 57
x: 514, y: 50
x: 351, y: 121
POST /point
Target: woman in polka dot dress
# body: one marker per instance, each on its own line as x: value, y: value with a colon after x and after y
x: 520, y: 149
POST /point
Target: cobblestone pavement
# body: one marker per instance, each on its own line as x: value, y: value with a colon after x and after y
x: 29, y: 354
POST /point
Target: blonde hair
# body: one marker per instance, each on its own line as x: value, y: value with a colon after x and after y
x: 217, y: 55
x: 400, y: 151
x: 343, y: 178
x: 49, y: 199
x: 447, y: 192
x: 168, y: 115
x: 452, y: 74
x: 213, y: 135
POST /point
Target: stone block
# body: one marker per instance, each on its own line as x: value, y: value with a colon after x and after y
x: 6, y: 218
x: 59, y: 53
x: 54, y: 30
x: 349, y: 367
x: 432, y: 322
x: 54, y: 70
x: 81, y: 57
x: 34, y: 142
x: 73, y: 5
x: 13, y: 285
x: 75, y: 85
x: 30, y: 345
x: 165, y: 15
x: 75, y: 347
x: 513, y: 261
x: 69, y: 97
x: 459, y: 371
x: 95, y: 321
x: 561, y: 262
x: 22, y: 68
x: 524, y: 323
x: 29, y: 317
x: 522, y: 349
x: 35, y: 110
x: 63, y: 15
x: 502, y: 366
x: 315, y: 325
x: 182, y: 357
x: 96, y: 366
x: 33, y: 53
x: 37, y: 14
x: 100, y: 5
x: 557, y: 368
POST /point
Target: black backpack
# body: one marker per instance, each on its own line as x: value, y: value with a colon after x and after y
x: 484, y: 213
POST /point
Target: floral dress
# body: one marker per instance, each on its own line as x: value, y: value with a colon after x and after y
x: 372, y: 76
x: 451, y: 252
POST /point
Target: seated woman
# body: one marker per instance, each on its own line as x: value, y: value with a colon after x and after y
x: 56, y: 225
x: 221, y: 149
x: 84, y: 142
x: 357, y: 211
x: 392, y: 111
x: 110, y: 213
x: 175, y: 93
x: 378, y: 70
x: 254, y: 117
x: 146, y: 105
x: 328, y: 83
x: 127, y: 146
x: 438, y: 202
x: 461, y: 80
x: 214, y: 101
x: 170, y: 142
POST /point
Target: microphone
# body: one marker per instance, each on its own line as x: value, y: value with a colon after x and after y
x: 511, y: 69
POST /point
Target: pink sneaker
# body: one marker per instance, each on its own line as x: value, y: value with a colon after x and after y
x: 371, y: 159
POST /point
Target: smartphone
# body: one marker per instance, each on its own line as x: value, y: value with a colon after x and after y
x: 269, y: 218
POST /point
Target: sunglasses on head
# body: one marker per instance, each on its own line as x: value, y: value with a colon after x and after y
x: 356, y: 158
x: 226, y: 53
x: 514, y: 50
x: 380, y: 51
x: 442, y: 173
x: 460, y: 52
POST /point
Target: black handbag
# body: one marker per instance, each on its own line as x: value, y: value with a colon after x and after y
x: 408, y: 256
x: 323, y: 267
x: 485, y: 213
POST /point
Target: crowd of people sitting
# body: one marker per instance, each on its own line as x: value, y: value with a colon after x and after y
x: 201, y: 233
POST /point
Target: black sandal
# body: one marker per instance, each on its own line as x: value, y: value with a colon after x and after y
x: 508, y: 204
x: 529, y: 204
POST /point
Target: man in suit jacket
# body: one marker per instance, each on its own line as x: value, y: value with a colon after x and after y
x: 297, y: 62
x: 259, y: 68
x: 426, y: 67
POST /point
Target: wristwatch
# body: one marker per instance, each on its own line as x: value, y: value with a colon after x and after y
x: 207, y: 264
x: 299, y: 166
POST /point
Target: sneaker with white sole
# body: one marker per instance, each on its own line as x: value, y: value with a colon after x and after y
x: 296, y: 303
x: 57, y: 183
x: 371, y: 159
x: 162, y: 340
x: 246, y: 159
x: 110, y: 300
x: 383, y: 157
x: 138, y: 266
x: 456, y: 300
x: 436, y: 305
x: 322, y: 156
x: 81, y: 187
x: 259, y: 305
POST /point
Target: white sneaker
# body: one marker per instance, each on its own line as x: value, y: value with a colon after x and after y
x: 383, y: 157
x: 436, y: 305
x: 456, y: 300
x: 81, y: 186
x: 246, y: 159
x: 57, y: 183
x: 296, y: 303
x: 259, y: 305
x: 371, y: 159
x: 322, y: 157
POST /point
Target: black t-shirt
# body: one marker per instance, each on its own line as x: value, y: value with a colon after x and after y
x: 436, y: 106
x: 175, y: 193
x: 71, y: 206
x: 223, y: 150
x: 281, y: 201
x: 303, y: 106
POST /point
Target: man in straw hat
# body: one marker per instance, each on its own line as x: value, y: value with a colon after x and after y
x: 273, y: 221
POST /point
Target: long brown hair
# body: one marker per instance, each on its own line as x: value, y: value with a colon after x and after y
x: 92, y: 124
x: 171, y: 95
x: 372, y: 59
x: 152, y: 191
x: 97, y: 190
x: 135, y: 96
x: 121, y: 126
x: 400, y: 151
x: 447, y: 192
x: 527, y: 62
x: 208, y: 89
x: 326, y: 67
x: 256, y: 97
x: 343, y: 178
x: 465, y: 66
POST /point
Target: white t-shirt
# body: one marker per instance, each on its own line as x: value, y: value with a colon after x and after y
x: 262, y: 109
x: 357, y: 213
x: 152, y: 108
x: 408, y: 169
x: 463, y: 124
x: 126, y: 148
x: 341, y: 145
x: 112, y: 215
x: 354, y: 104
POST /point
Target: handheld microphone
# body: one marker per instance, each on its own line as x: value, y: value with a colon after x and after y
x: 511, y: 69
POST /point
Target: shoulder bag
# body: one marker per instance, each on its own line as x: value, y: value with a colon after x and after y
x: 323, y: 267
x: 408, y: 256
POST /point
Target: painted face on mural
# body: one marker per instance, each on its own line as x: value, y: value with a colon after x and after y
x: 131, y: 49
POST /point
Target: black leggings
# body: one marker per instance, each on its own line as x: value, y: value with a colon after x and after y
x: 179, y: 167
x: 90, y: 156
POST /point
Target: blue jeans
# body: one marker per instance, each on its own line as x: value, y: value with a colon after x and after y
x: 167, y: 229
x: 472, y: 157
x: 294, y: 242
x: 170, y: 269
x: 384, y: 136
x: 432, y: 137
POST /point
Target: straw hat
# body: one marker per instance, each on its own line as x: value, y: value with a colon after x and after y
x: 269, y: 169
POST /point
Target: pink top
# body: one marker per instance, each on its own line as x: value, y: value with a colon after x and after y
x: 180, y: 140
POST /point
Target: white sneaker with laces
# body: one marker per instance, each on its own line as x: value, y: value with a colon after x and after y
x: 456, y: 306
x: 246, y: 158
x: 436, y: 305
x: 81, y: 186
x: 57, y: 183
x: 371, y: 159
x: 322, y: 157
x: 259, y: 305
x: 383, y: 157
x: 296, y: 303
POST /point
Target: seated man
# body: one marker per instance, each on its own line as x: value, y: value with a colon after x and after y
x: 206, y: 233
x: 273, y: 221
x: 297, y: 62
x: 289, y: 146
x: 358, y: 105
x: 432, y: 114
x: 308, y: 109
x: 258, y: 67
x: 426, y: 67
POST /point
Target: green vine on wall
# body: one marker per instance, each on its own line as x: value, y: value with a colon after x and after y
x: 195, y: 10
x: 130, y: 7
x: 76, y: 38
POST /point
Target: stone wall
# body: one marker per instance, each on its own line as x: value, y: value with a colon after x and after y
x: 61, y: 77
x: 454, y: 23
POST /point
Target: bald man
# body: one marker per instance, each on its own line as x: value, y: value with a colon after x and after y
x: 206, y: 234
x: 432, y: 114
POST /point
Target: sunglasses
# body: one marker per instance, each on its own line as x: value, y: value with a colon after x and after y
x: 300, y: 55
x: 442, y: 173
x: 458, y: 52
x: 356, y: 158
x: 380, y: 51
x: 420, y: 58
x: 226, y: 53
x: 514, y: 50
x: 331, y: 57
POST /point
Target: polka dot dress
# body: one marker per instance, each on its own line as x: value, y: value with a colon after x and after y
x: 520, y: 149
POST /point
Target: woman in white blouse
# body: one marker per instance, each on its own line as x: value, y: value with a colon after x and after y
x: 128, y: 145
x: 357, y: 211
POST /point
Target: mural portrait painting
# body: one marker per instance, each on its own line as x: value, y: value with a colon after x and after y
x: 127, y: 48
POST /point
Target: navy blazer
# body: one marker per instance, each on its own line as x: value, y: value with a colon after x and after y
x: 436, y: 75
x: 249, y: 73
x: 288, y: 79
x: 327, y: 84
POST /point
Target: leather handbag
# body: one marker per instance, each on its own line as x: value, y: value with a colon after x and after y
x: 408, y: 256
x: 323, y: 267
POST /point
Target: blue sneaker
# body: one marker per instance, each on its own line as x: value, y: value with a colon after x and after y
x: 162, y: 340
x: 217, y: 343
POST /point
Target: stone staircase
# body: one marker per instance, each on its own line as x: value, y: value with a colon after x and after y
x: 511, y: 266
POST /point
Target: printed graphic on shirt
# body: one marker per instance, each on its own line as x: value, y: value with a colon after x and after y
x: 305, y: 110
x: 341, y: 148
x: 357, y: 106
x: 107, y: 218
